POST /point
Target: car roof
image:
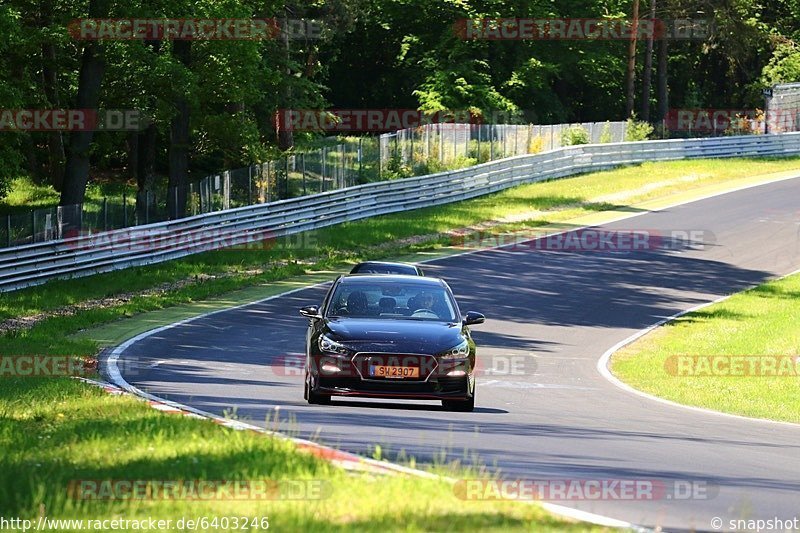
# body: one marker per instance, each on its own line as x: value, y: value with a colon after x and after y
x: 385, y: 263
x: 388, y: 278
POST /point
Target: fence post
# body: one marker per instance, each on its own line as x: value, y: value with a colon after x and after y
x: 344, y: 168
x: 286, y: 179
x: 226, y: 187
x: 324, y: 168
x: 441, y: 142
x: 269, y: 188
x: 516, y: 134
x: 360, y: 153
x: 493, y: 129
x: 250, y: 185
x: 105, y: 214
x: 8, y: 230
x: 147, y: 207
x: 480, y: 127
x: 455, y: 140
x: 124, y: 209
x: 303, y: 162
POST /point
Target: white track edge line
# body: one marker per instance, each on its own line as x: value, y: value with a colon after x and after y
x: 605, y: 359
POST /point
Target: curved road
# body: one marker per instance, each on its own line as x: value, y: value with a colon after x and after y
x: 551, y: 316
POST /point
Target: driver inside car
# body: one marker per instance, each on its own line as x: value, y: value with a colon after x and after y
x: 425, y: 301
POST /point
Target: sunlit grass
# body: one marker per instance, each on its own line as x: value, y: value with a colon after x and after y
x: 54, y: 432
x: 759, y: 322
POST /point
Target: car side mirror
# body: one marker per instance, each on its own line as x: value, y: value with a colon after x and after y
x: 310, y: 311
x: 473, y: 317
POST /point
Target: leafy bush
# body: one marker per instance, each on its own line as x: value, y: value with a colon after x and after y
x: 574, y: 135
x: 636, y: 130
x: 743, y: 124
x: 433, y: 165
x: 536, y: 145
x: 396, y: 169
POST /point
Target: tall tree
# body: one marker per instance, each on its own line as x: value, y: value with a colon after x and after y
x: 647, y: 71
x: 179, y: 140
x: 629, y: 92
x: 76, y: 172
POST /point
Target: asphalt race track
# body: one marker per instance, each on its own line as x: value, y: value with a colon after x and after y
x: 551, y: 315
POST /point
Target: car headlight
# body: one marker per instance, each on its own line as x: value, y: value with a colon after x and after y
x: 456, y: 352
x: 328, y: 345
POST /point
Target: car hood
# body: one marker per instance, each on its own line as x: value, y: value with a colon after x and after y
x: 408, y: 336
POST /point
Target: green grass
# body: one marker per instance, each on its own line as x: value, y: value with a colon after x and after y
x: 24, y: 195
x: 758, y: 322
x: 57, y: 431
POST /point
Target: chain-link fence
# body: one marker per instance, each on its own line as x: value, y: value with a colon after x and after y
x: 335, y: 165
x: 443, y: 146
x: 783, y: 108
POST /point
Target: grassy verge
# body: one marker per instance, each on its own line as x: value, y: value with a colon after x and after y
x: 56, y: 432
x: 744, y: 336
x: 53, y: 431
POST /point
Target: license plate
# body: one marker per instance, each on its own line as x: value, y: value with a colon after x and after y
x: 394, y: 372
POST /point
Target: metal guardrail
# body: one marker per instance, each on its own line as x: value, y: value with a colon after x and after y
x: 34, y: 264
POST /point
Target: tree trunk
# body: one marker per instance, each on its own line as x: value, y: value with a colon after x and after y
x: 648, y: 66
x: 286, y: 136
x: 145, y: 169
x: 179, y: 143
x: 76, y: 171
x: 632, y: 60
x: 55, y: 139
x: 663, y: 87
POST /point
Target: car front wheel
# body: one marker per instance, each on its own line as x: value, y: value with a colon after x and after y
x: 464, y: 406
x: 312, y: 397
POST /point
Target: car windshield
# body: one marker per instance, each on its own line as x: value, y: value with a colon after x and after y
x: 392, y: 300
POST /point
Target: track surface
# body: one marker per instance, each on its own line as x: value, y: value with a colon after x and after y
x: 558, y: 418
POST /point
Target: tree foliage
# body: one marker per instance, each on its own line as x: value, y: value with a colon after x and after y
x: 371, y: 54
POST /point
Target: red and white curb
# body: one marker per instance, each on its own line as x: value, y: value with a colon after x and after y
x: 348, y: 461
x: 345, y: 460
